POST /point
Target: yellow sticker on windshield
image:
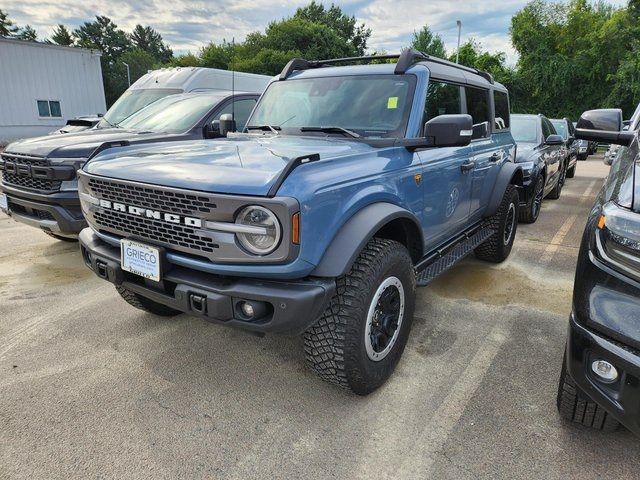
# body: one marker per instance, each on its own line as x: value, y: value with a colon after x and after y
x: 392, y: 102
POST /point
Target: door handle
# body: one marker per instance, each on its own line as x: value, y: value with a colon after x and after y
x: 468, y: 165
x: 495, y: 157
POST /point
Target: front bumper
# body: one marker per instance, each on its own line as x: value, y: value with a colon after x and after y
x: 621, y: 399
x: 293, y: 305
x: 58, y: 213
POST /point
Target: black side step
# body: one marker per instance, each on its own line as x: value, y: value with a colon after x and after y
x: 443, y: 262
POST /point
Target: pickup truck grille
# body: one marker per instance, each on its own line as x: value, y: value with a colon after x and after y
x: 26, y: 180
x: 177, y: 236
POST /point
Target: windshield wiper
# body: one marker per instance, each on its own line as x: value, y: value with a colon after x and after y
x: 265, y: 128
x: 344, y: 131
x: 112, y: 125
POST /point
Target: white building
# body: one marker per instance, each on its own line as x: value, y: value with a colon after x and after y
x: 42, y: 86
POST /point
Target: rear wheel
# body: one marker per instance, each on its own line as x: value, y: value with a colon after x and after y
x: 145, y: 304
x: 505, y: 223
x: 359, y: 339
x: 575, y: 406
x: 530, y: 212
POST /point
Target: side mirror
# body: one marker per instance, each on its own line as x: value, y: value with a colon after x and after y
x: 554, y: 140
x: 603, y: 125
x: 449, y: 130
x: 212, y: 130
x: 227, y: 124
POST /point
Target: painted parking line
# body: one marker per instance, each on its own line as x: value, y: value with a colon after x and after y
x: 565, y: 228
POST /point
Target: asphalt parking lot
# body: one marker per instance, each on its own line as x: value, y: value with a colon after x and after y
x: 90, y: 387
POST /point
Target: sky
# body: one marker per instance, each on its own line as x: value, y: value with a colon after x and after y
x: 188, y: 25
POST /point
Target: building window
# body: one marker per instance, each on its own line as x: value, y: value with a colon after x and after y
x: 49, y: 108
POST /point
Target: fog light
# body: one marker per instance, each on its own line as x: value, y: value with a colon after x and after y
x: 247, y: 309
x: 604, y: 371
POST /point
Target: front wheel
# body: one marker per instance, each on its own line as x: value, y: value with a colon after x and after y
x: 571, y: 172
x: 359, y: 339
x: 530, y: 212
x: 504, y: 223
x: 557, y: 190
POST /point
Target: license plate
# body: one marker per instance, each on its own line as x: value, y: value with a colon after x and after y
x: 3, y: 202
x: 140, y: 259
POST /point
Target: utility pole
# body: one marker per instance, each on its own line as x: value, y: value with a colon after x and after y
x: 459, y: 23
x: 129, y: 74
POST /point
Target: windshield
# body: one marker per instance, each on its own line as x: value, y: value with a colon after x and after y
x: 172, y: 114
x: 561, y: 128
x: 130, y: 102
x: 524, y: 129
x: 371, y: 105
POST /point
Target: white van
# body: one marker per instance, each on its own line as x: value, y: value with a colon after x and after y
x: 167, y: 81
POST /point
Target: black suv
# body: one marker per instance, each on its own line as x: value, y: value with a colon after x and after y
x: 566, y: 130
x: 600, y: 379
x: 541, y: 155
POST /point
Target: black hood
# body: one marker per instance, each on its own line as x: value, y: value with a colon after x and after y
x: 82, y: 144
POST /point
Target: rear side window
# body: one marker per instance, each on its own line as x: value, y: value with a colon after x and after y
x: 442, y: 99
x: 478, y: 108
x: 547, y: 128
x: 501, y: 107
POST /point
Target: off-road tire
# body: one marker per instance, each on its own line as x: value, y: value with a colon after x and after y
x: 495, y: 250
x: 145, y: 304
x: 60, y: 237
x: 571, y: 172
x: 335, y: 345
x: 575, y: 406
x: 557, y: 190
x: 527, y: 214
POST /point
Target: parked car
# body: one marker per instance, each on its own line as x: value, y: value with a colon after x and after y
x: 583, y: 147
x: 565, y: 129
x: 599, y: 382
x: 169, y: 81
x: 541, y: 154
x: 78, y: 124
x: 611, y: 154
x: 38, y: 186
x: 346, y: 192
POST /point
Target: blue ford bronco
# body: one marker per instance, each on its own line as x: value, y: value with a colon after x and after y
x: 353, y: 183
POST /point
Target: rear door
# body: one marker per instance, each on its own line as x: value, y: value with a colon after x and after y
x: 488, y: 153
x: 553, y: 154
x: 446, y: 176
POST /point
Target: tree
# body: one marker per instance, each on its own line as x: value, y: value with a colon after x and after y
x: 428, y: 42
x: 186, y: 60
x: 147, y: 39
x: 27, y: 33
x: 7, y: 27
x: 342, y: 24
x: 62, y: 36
x: 216, y: 56
x: 105, y: 36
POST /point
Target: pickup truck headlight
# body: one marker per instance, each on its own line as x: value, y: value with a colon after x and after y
x: 618, y: 238
x: 258, y: 230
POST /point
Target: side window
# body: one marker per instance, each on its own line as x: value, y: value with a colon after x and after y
x: 546, y: 128
x: 241, y: 110
x: 501, y: 107
x: 552, y: 129
x: 478, y: 108
x: 442, y: 98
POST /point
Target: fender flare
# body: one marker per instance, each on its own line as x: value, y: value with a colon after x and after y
x: 355, y: 234
x: 510, y: 174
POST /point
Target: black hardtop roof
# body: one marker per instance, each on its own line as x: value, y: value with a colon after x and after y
x: 439, y: 68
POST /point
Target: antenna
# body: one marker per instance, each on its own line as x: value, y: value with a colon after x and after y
x: 233, y: 78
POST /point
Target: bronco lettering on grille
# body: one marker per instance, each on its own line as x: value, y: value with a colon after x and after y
x: 154, y: 214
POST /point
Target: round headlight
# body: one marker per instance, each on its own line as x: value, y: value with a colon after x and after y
x: 266, y: 232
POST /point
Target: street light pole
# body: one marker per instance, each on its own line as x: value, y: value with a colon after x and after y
x: 459, y: 23
x: 129, y: 74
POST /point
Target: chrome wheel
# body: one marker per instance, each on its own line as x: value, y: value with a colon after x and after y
x: 384, y: 319
x: 509, y: 223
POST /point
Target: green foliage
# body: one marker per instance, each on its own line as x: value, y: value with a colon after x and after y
x: 7, y: 27
x: 576, y: 57
x: 428, y: 42
x: 186, y: 60
x: 27, y: 33
x: 150, y: 41
x: 62, y: 36
x: 103, y: 35
x: 343, y: 25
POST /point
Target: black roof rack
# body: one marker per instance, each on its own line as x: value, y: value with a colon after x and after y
x: 405, y: 59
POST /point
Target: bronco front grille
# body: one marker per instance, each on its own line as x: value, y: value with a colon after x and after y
x: 168, y: 233
x: 26, y: 181
x: 154, y: 198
